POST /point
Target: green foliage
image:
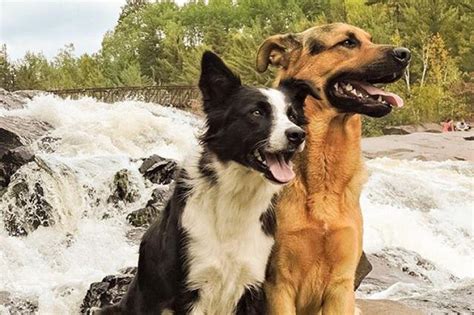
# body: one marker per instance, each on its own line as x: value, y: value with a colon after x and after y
x: 6, y: 70
x: 159, y: 42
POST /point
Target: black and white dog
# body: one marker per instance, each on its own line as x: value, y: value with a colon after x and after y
x: 209, y: 252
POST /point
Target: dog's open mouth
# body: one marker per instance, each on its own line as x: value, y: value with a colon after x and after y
x: 357, y: 93
x: 276, y: 166
x: 366, y: 93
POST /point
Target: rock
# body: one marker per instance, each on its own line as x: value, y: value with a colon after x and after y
x: 28, y: 94
x: 20, y: 131
x: 421, y: 146
x: 123, y: 188
x: 386, y: 307
x: 363, y: 269
x: 9, y: 100
x: 153, y: 208
x: 23, y: 205
x: 408, y: 129
x: 16, y: 133
x: 10, y: 162
x: 394, y: 265
x: 409, y: 279
x: 158, y: 170
x: 109, y: 291
x: 456, y: 300
x: 17, y: 305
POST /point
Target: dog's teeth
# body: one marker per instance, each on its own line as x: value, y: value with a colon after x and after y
x: 349, y: 87
x: 379, y: 98
x: 336, y: 86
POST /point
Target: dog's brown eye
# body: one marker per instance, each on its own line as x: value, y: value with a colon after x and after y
x: 349, y: 43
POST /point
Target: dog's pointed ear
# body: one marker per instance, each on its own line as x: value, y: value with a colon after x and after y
x: 276, y: 50
x: 216, y: 80
x: 298, y: 90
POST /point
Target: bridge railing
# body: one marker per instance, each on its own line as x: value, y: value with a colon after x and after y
x: 180, y: 96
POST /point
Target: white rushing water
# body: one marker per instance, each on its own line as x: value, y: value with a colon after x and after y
x: 426, y: 207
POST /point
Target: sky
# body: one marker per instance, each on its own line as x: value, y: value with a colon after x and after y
x: 47, y: 25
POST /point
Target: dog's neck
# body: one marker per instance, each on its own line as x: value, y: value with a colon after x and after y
x: 234, y: 194
x: 331, y: 165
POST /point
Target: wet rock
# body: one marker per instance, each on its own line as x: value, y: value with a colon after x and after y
x: 158, y: 170
x: 123, y: 188
x: 16, y: 134
x: 17, y: 305
x: 23, y: 206
x: 456, y: 300
x: 403, y: 275
x: 151, y: 212
x: 394, y: 265
x: 48, y: 144
x: 10, y: 162
x: 109, y: 291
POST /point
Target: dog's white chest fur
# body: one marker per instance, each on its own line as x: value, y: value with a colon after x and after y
x: 227, y: 249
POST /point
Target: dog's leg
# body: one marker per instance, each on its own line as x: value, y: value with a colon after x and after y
x: 280, y: 300
x: 340, y: 298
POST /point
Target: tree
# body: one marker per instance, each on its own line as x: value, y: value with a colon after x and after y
x: 6, y: 70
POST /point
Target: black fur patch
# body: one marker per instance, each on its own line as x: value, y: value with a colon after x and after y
x: 268, y: 220
x: 253, y: 302
x: 206, y: 169
x: 315, y: 46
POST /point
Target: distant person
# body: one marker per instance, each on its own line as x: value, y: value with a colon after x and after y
x: 462, y: 126
x: 448, y: 125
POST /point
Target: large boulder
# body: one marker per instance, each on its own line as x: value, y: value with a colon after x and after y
x: 422, y: 146
x: 18, y: 131
x: 16, y: 134
x: 109, y: 291
x: 10, y: 162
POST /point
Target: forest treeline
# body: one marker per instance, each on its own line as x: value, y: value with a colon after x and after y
x: 157, y: 43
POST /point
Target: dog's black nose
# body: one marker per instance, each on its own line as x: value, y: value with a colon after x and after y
x: 402, y: 54
x: 295, y: 135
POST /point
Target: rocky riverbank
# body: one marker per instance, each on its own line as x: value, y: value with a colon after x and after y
x: 424, y: 146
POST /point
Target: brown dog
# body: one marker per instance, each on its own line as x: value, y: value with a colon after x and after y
x: 319, y: 235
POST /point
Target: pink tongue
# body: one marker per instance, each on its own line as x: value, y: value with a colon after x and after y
x: 391, y: 98
x: 281, y: 170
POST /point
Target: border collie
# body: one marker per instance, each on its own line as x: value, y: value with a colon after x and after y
x: 208, y: 254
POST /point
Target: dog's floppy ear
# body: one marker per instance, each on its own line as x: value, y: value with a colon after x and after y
x: 276, y: 50
x: 217, y: 80
x: 298, y: 89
